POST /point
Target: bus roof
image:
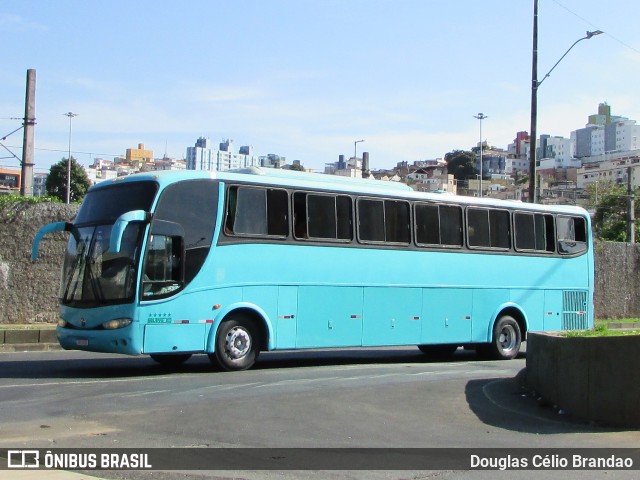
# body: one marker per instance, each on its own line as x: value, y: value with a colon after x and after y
x: 319, y: 181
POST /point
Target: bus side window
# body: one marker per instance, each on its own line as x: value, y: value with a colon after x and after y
x: 488, y: 228
x: 384, y: 221
x: 257, y: 211
x: 370, y: 220
x: 525, y: 231
x: 427, y: 224
x: 344, y: 214
x: 451, y: 226
x: 397, y: 222
x: 534, y: 232
x: 478, y: 227
x: 300, y: 215
x: 251, y: 212
x: 545, y: 233
x: 163, y: 271
x: 572, y: 235
x: 322, y: 216
x: 500, y: 229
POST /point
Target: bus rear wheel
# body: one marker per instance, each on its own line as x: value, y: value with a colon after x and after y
x: 236, y: 345
x: 506, y: 340
x: 169, y: 359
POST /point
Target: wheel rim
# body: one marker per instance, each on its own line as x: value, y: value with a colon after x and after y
x: 237, y: 343
x: 508, y: 339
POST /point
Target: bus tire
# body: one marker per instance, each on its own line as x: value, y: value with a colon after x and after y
x: 236, y: 344
x: 506, y: 340
x: 170, y: 359
x: 438, y: 351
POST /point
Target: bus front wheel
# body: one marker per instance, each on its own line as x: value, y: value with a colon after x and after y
x: 506, y: 340
x: 236, y: 345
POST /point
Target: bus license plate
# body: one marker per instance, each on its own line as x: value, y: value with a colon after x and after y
x: 82, y: 342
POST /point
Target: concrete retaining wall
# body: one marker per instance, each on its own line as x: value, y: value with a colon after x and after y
x: 617, y: 280
x: 593, y: 378
x: 28, y: 291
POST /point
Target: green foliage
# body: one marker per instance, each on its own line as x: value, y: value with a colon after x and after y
x: 461, y: 164
x: 13, y: 207
x: 602, y: 329
x: 10, y: 200
x: 610, y: 220
x: 57, y: 181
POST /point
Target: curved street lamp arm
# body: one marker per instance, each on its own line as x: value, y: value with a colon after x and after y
x: 587, y: 37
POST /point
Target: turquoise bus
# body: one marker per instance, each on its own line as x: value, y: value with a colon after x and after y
x: 230, y: 264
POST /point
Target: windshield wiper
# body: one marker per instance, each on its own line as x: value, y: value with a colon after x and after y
x: 77, y: 269
x: 96, y: 288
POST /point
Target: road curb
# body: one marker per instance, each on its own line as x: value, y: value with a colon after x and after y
x: 28, y: 340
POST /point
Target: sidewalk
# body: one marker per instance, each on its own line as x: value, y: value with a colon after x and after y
x: 28, y: 338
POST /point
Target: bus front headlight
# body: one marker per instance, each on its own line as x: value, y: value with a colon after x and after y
x: 62, y: 323
x: 116, y: 323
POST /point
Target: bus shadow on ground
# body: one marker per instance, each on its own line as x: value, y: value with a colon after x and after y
x: 113, y: 367
x: 353, y: 356
x: 508, y: 404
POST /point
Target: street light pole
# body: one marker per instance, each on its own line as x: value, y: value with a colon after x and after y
x: 355, y: 151
x: 480, y: 116
x: 68, y: 197
x: 534, y: 98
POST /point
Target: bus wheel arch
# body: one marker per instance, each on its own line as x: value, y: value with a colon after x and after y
x: 238, y: 340
x: 506, y: 337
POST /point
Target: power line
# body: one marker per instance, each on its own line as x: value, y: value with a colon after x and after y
x: 595, y: 26
x: 73, y: 151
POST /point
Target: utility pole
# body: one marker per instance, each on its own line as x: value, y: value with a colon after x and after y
x: 29, y: 122
x: 480, y: 116
x: 534, y: 194
x: 534, y: 107
x: 631, y: 224
x: 68, y: 198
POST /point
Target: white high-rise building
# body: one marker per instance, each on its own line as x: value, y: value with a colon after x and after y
x: 627, y: 135
x: 203, y: 157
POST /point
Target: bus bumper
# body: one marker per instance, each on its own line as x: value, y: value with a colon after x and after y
x: 121, y: 340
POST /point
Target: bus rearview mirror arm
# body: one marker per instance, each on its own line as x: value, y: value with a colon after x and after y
x: 121, y: 224
x: 49, y: 228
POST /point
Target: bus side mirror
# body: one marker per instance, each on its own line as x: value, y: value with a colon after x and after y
x: 49, y: 228
x: 120, y: 225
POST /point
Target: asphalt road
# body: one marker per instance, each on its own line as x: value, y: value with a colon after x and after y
x: 343, y: 398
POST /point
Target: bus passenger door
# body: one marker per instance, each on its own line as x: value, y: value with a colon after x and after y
x: 446, y: 315
x: 392, y: 316
x: 329, y: 316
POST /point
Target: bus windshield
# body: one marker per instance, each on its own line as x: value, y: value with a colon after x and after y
x: 93, y: 275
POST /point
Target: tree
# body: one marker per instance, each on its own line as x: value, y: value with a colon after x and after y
x: 57, y: 181
x: 461, y: 164
x: 297, y: 167
x: 610, y: 220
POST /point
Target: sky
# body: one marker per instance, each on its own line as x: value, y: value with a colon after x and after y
x: 305, y: 79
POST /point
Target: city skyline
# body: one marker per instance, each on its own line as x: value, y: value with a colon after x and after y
x: 305, y: 79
